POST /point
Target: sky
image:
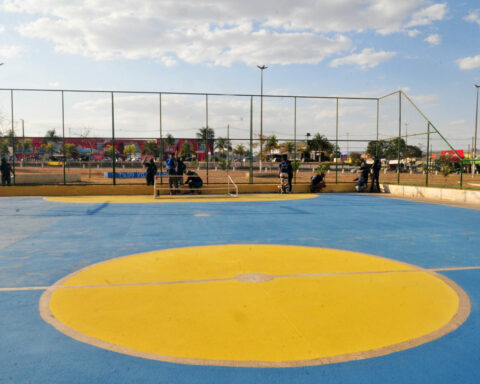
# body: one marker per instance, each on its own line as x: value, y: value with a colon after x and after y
x: 429, y: 49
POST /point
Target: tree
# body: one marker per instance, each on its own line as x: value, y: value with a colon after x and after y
x: 413, y: 151
x: 150, y: 148
x: 320, y: 143
x: 49, y: 148
x: 4, y: 147
x: 70, y: 150
x: 445, y: 165
x: 108, y: 150
x: 356, y: 158
x: 187, y: 150
x: 271, y: 143
x: 393, y: 147
x: 222, y: 145
x: 240, y: 150
x: 289, y: 147
x: 205, y: 134
x: 130, y: 150
x: 169, y: 140
x: 25, y: 145
x: 377, y: 148
x: 51, y: 137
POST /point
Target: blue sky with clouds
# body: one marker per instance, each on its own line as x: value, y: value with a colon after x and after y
x: 428, y: 48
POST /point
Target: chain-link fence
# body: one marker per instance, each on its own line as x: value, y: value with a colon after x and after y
x: 106, y: 137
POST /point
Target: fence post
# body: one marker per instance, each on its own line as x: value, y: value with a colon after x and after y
x: 113, y: 142
x: 336, y: 147
x: 251, y: 140
x: 12, y: 135
x: 161, y: 139
x: 399, y: 132
x: 295, y: 139
x: 63, y: 135
x: 428, y: 153
x: 378, y: 120
x: 206, y: 132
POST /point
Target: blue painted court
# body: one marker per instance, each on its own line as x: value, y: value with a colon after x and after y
x: 43, y: 241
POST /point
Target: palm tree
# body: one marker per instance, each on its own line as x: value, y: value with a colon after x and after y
x: 240, y: 150
x: 51, y: 136
x: 271, y: 143
x: 205, y: 134
x: 289, y: 147
x: 320, y: 143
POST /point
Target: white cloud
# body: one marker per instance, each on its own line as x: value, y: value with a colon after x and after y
x: 217, y: 32
x: 434, y: 39
x: 54, y: 84
x: 368, y: 58
x: 10, y: 51
x: 467, y: 63
x: 474, y: 17
x: 427, y: 15
x: 457, y: 122
x: 413, y: 32
x: 2, y: 29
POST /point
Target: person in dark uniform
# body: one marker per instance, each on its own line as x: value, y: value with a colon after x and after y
x: 377, y: 165
x: 151, y: 172
x: 286, y: 167
x: 362, y: 179
x: 6, y: 170
x: 181, y: 168
x: 317, y: 183
x: 194, y: 182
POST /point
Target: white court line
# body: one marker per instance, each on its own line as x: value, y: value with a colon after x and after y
x: 43, y: 288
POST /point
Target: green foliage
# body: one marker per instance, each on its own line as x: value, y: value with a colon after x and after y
x: 169, y: 140
x: 240, y: 150
x: 187, y: 150
x: 129, y: 150
x: 205, y: 134
x: 222, y: 144
x: 271, y: 143
x: 320, y: 143
x: 70, y: 150
x: 356, y: 158
x: 51, y: 137
x: 49, y: 148
x: 4, y: 147
x: 194, y: 163
x: 289, y: 147
x: 108, y: 150
x: 25, y: 145
x: 149, y: 148
x: 323, y: 167
x: 389, y: 149
x: 446, y: 167
x: 295, y: 165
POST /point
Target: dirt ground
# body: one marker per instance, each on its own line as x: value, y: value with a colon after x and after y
x: 95, y: 175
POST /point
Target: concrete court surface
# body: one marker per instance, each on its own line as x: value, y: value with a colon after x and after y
x: 42, y: 242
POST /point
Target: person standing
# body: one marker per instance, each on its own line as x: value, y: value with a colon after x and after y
x: 171, y: 165
x: 181, y: 168
x: 286, y: 167
x: 151, y: 172
x: 377, y: 165
x: 6, y: 170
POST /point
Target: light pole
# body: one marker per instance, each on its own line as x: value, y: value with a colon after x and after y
x: 23, y: 142
x: 262, y: 68
x: 475, y: 137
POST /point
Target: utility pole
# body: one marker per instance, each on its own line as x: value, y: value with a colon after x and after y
x: 23, y: 142
x: 475, y: 139
x: 262, y: 68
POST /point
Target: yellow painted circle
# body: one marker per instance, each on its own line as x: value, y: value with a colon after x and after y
x: 254, y: 305
x: 137, y: 199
